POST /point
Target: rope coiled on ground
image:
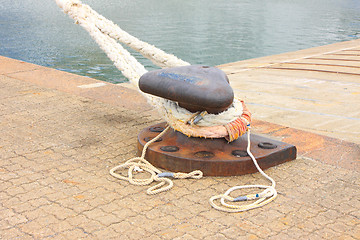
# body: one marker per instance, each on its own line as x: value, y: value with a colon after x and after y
x: 140, y: 163
x: 260, y: 199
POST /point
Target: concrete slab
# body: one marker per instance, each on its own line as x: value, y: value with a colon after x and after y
x: 71, y: 83
x: 8, y: 66
x: 315, y: 89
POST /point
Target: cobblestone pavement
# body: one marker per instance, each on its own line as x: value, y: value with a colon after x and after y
x: 57, y: 148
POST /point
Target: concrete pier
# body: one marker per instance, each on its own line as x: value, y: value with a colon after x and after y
x: 316, y: 89
x: 61, y: 133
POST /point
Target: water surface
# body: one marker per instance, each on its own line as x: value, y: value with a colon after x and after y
x: 200, y: 32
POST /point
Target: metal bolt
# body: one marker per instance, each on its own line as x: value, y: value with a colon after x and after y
x: 239, y: 153
x: 204, y: 154
x: 149, y: 138
x: 169, y: 148
x: 156, y: 129
x: 267, y: 145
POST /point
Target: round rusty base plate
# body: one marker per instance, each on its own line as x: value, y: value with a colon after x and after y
x: 176, y: 152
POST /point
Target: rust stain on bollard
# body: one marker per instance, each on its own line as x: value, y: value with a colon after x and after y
x: 214, y: 157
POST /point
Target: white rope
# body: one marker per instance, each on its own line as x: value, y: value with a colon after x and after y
x: 156, y: 55
x: 140, y: 164
x: 84, y: 13
x: 222, y: 118
x: 123, y: 60
x: 260, y: 199
x: 103, y: 31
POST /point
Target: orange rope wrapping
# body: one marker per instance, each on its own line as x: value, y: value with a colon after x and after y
x: 238, y: 127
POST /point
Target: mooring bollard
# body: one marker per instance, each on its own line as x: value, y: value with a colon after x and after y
x: 202, y: 88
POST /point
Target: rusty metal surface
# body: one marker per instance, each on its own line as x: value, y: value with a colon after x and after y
x: 214, y: 157
x: 336, y: 152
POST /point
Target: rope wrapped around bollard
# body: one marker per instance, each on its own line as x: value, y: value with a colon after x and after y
x: 231, y: 123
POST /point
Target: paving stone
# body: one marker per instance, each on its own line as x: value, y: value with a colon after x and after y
x: 76, y: 234
x: 138, y: 233
x: 57, y: 184
x: 60, y: 226
x: 13, y: 233
x: 326, y: 233
x: 5, y: 225
x: 281, y: 235
x: 31, y: 227
x: 16, y: 219
x: 108, y: 219
x: 91, y: 226
x: 121, y: 227
x: 185, y: 237
x: 233, y: 232
x: 5, y: 213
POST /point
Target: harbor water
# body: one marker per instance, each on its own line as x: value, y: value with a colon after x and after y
x: 200, y: 32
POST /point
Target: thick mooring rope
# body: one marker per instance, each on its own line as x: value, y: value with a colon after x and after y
x: 104, y: 32
x: 231, y: 123
x: 86, y: 17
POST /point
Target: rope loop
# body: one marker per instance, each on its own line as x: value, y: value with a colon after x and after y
x: 156, y: 175
x: 158, y: 188
x: 260, y: 199
x: 197, y: 174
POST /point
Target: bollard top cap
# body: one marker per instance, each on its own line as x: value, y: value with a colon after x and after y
x: 194, y: 87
